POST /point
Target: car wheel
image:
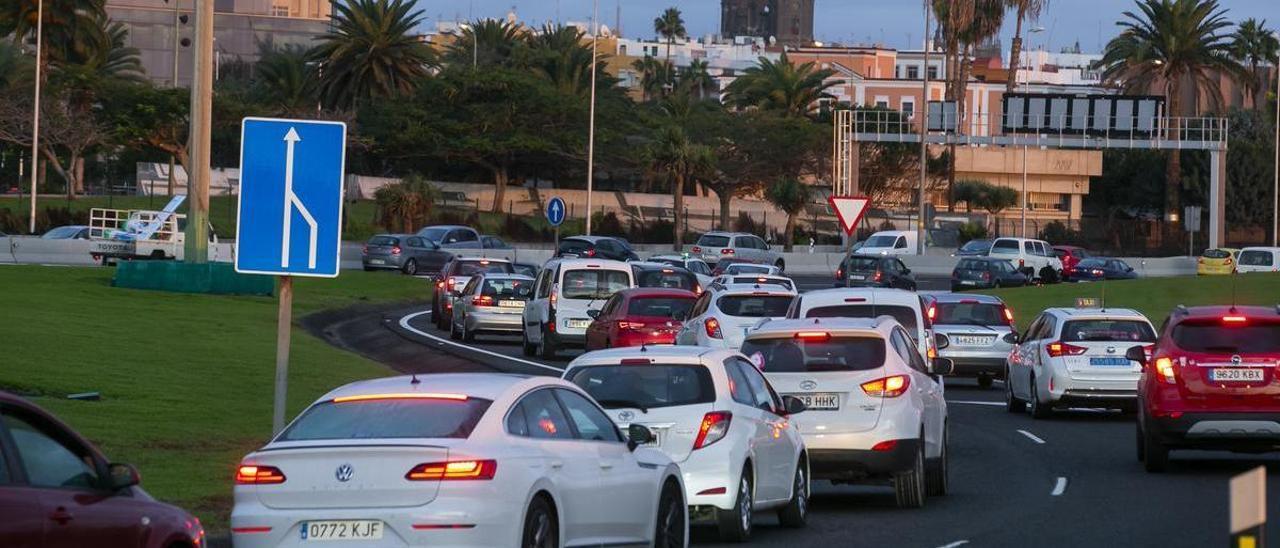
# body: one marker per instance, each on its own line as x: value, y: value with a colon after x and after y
x: 735, y: 524
x: 1039, y: 410
x: 936, y: 475
x: 984, y: 381
x: 540, y: 527
x: 796, y: 513
x: 671, y: 529
x: 1155, y: 455
x: 547, y: 348
x: 411, y: 267
x: 908, y: 486
x: 1011, y: 402
x: 454, y: 332
x: 527, y: 348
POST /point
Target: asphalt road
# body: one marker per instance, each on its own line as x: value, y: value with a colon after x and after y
x: 1072, y: 480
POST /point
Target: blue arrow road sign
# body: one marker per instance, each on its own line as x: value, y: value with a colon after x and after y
x: 555, y: 211
x: 290, y: 216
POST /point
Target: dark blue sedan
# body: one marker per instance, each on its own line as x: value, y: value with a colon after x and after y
x: 1098, y: 269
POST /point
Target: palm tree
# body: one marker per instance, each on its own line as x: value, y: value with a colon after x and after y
x: 486, y: 42
x: 675, y: 157
x: 1026, y: 9
x: 558, y: 55
x: 1253, y: 43
x: 670, y: 26
x: 99, y: 53
x: 372, y: 52
x: 64, y: 23
x: 790, y: 196
x: 781, y: 86
x: 656, y: 77
x: 286, y: 79
x: 1169, y: 44
x: 696, y: 78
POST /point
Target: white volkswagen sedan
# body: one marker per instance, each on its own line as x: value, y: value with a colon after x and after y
x: 458, y: 460
x: 715, y: 414
x: 724, y: 313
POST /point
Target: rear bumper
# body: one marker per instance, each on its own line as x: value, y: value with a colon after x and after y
x: 860, y: 464
x: 481, y: 321
x: 381, y: 262
x: 971, y: 284
x: 1231, y: 431
x: 970, y: 366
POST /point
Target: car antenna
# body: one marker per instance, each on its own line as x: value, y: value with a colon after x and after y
x: 415, y: 380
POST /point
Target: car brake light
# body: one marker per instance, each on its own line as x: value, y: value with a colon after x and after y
x: 453, y: 470
x: 396, y: 250
x: 440, y: 284
x: 1164, y: 368
x: 365, y: 249
x: 1234, y: 319
x: 1200, y: 260
x: 879, y: 275
x: 887, y: 387
x: 625, y: 325
x: 712, y: 326
x: 932, y: 313
x: 482, y: 300
x: 635, y: 361
x: 713, y: 428
x: 1058, y: 349
x: 1022, y: 263
x: 813, y: 336
x: 1008, y: 314
x: 727, y: 251
x: 986, y: 275
x: 450, y: 282
x: 258, y: 475
x: 1229, y: 261
x: 887, y: 445
x: 697, y: 249
x: 589, y: 253
x: 402, y: 396
x: 840, y: 273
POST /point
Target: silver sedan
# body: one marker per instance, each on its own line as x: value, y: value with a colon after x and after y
x: 490, y: 303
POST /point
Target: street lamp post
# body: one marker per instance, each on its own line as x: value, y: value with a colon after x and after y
x: 591, y: 125
x: 35, y: 112
x: 924, y: 133
x: 1275, y: 206
x: 1026, y: 87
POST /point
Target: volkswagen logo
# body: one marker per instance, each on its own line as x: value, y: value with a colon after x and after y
x: 808, y: 385
x: 626, y: 416
x: 344, y: 473
x: 1235, y: 360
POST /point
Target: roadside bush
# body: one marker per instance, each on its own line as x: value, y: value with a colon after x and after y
x: 971, y: 231
x: 11, y: 223
x: 1058, y: 234
x: 652, y: 232
x: 607, y: 224
x: 744, y: 223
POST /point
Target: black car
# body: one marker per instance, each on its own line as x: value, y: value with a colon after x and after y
x: 453, y: 277
x: 974, y: 248
x: 1098, y: 269
x: 985, y: 273
x: 875, y: 271
x: 663, y: 275
x: 599, y: 247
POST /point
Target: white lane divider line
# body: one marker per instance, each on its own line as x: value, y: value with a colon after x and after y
x: 990, y: 403
x: 1031, y: 437
x: 404, y: 323
x: 955, y: 544
x: 1059, y: 488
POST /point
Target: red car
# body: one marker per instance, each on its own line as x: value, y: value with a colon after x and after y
x: 1211, y: 381
x: 1070, y: 256
x: 57, y: 489
x: 640, y: 315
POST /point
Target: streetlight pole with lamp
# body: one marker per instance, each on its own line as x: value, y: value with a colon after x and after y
x: 35, y: 112
x: 591, y: 125
x: 1026, y: 87
x: 1275, y: 206
x: 924, y: 133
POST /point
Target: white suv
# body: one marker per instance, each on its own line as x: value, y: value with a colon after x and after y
x: 1034, y: 257
x: 906, y: 307
x: 723, y: 313
x: 1076, y: 358
x: 716, y: 416
x: 875, y: 409
x: 714, y: 246
x: 556, y: 314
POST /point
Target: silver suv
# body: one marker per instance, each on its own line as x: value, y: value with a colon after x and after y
x: 714, y: 246
x: 974, y: 331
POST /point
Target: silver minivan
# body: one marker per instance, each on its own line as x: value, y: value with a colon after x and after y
x: 714, y: 246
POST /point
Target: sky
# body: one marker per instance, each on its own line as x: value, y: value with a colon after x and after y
x: 894, y: 23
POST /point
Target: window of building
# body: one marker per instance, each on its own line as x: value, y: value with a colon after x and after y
x: 908, y: 108
x: 913, y: 72
x: 882, y: 101
x: 933, y: 73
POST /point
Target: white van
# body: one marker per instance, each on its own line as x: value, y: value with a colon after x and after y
x: 891, y: 242
x: 1033, y: 257
x: 1258, y: 259
x: 556, y: 314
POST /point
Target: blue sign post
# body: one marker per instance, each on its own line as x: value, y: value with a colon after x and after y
x: 555, y: 215
x: 290, y: 215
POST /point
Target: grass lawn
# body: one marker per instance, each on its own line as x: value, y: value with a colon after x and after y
x: 1154, y: 297
x: 186, y: 380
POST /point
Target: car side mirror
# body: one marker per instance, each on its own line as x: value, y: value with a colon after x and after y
x: 792, y: 405
x: 942, y: 366
x: 1137, y: 354
x: 122, y: 476
x: 637, y: 435
x: 593, y: 313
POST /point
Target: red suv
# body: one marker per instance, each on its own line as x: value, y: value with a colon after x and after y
x: 1070, y: 256
x: 637, y: 316
x: 56, y: 489
x: 1211, y: 381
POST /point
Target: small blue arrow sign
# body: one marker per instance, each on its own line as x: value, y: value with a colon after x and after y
x: 555, y: 211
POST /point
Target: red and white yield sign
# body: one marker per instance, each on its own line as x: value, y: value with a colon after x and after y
x: 850, y: 210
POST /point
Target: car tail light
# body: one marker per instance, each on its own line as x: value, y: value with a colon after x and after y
x: 712, y: 326
x: 1008, y: 314
x: 887, y: 387
x: 626, y: 325
x: 365, y: 249
x: 453, y: 470
x: 697, y: 289
x: 1058, y: 349
x: 1096, y: 272
x: 1229, y: 261
x: 396, y: 250
x: 697, y: 249
x: 713, y: 428
x: 553, y: 298
x: 932, y: 313
x: 887, y: 445
x: 483, y: 300
x: 727, y: 251
x: 450, y: 283
x: 258, y: 475
x: 1200, y: 260
x: 986, y: 276
x: 840, y: 273
x: 440, y: 284
x: 1164, y: 368
x: 1022, y: 263
x: 589, y: 253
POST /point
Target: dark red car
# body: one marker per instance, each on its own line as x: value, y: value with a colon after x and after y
x: 57, y: 489
x: 640, y: 315
x: 1211, y: 381
x: 1070, y: 256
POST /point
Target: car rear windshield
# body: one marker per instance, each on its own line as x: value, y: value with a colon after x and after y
x: 746, y: 268
x: 593, y: 283
x: 670, y: 279
x: 976, y: 246
x: 905, y: 315
x: 1255, y: 258
x: 504, y: 289
x: 1005, y: 246
x: 1217, y: 254
x: 1093, y: 263
x: 667, y: 307
x: 434, y: 234
x: 781, y: 282
x: 384, y: 240
x: 388, y: 418
x: 574, y: 246
x: 755, y: 306
x: 973, y: 264
x: 881, y: 241
x: 646, y: 386
x: 471, y: 268
x: 863, y: 263
x: 713, y: 241
x: 797, y: 355
x: 970, y: 314
x: 1107, y: 330
x: 1252, y: 338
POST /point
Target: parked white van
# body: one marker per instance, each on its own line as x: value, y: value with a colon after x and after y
x: 557, y: 313
x: 1034, y: 257
x: 891, y: 242
x: 1258, y: 259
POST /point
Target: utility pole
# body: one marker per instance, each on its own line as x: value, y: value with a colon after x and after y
x: 1275, y: 206
x: 924, y: 131
x: 173, y: 83
x: 591, y: 126
x: 35, y: 112
x: 196, y: 246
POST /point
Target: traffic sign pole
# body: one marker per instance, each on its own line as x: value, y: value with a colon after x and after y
x: 849, y: 209
x: 284, y: 326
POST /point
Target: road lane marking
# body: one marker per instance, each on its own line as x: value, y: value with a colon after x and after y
x: 955, y: 544
x: 1060, y: 487
x: 990, y: 403
x: 1031, y: 436
x: 404, y: 323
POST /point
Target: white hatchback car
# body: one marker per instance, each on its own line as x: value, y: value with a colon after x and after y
x: 753, y: 279
x: 715, y: 414
x: 724, y: 313
x: 458, y: 460
x: 876, y: 411
x: 1076, y: 358
x: 557, y: 313
x: 906, y: 307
